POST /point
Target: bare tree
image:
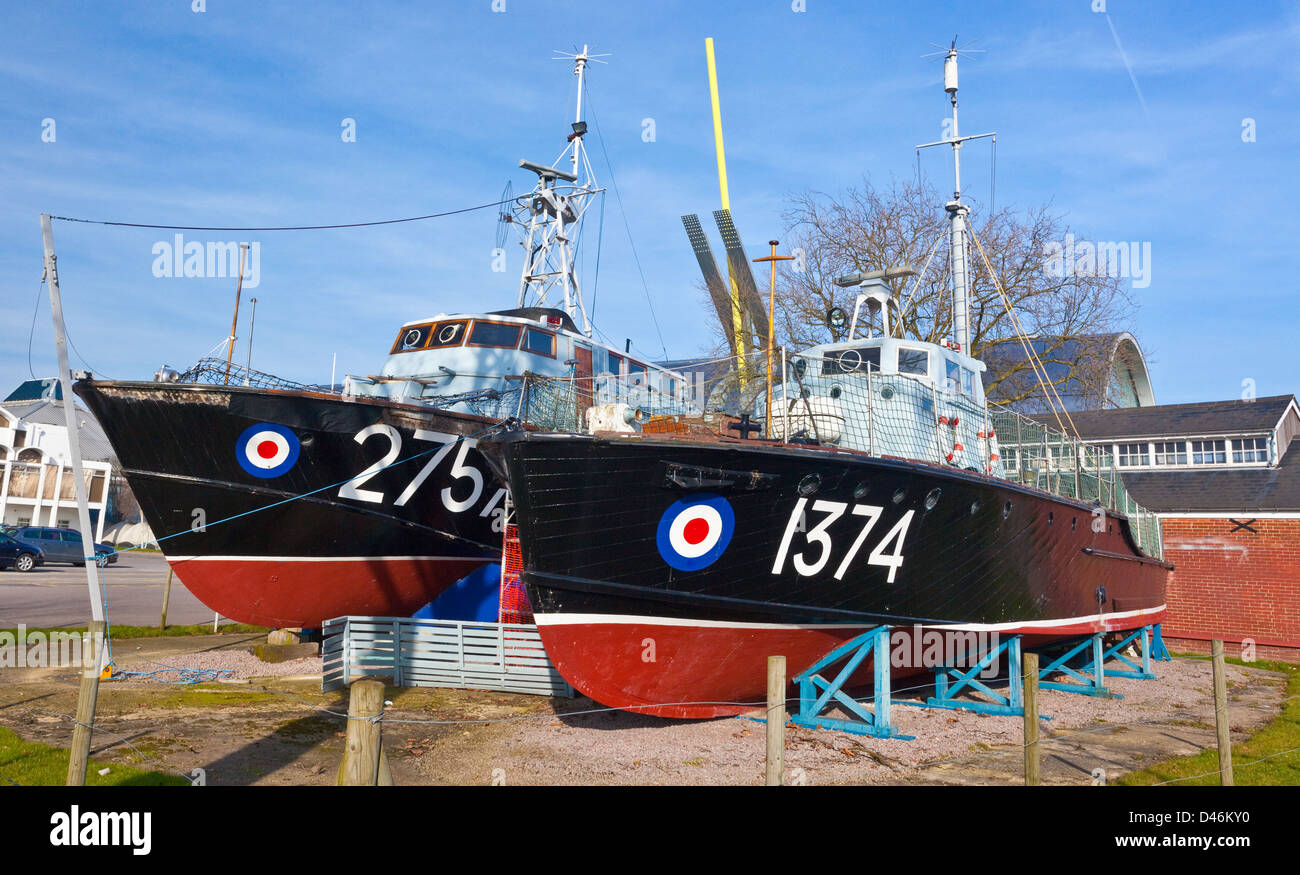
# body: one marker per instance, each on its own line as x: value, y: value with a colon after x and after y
x: 866, y: 228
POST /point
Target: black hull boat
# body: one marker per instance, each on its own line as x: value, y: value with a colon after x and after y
x: 284, y: 505
x: 663, y: 572
x: 256, y: 499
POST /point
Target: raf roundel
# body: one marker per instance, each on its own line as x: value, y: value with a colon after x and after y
x: 695, y: 531
x: 267, y: 450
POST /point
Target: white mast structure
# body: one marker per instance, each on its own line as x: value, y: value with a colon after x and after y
x: 552, y: 211
x: 957, y: 211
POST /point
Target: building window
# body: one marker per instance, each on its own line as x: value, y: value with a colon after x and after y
x: 1209, y: 453
x: 1171, y: 453
x: 1132, y: 455
x: 1247, y: 450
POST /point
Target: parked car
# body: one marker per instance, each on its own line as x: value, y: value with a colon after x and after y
x: 60, y: 545
x: 19, y: 555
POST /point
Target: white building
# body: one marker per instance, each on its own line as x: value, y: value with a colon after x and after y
x: 36, y: 483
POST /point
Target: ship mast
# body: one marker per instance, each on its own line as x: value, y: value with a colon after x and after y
x: 550, y: 214
x: 957, y: 211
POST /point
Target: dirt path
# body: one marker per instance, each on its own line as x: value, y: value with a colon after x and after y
x: 272, y: 731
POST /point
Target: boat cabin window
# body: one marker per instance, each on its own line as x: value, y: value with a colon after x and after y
x: 849, y: 361
x: 614, y: 365
x: 913, y: 361
x: 447, y: 334
x: 958, y: 378
x: 636, y: 373
x: 498, y: 334
x: 539, y: 342
x: 411, y: 338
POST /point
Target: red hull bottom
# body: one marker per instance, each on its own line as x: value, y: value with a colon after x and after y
x: 702, y: 669
x: 300, y: 591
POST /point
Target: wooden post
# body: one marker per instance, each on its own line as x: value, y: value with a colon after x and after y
x: 775, y: 720
x: 361, y: 754
x: 167, y: 594
x: 79, y: 754
x: 1032, y: 752
x: 1221, y: 713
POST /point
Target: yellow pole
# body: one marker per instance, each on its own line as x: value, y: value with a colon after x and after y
x: 771, y: 324
x: 737, y: 323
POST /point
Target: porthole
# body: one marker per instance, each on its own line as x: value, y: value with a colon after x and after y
x: 974, y: 507
x: 810, y: 484
x: 860, y: 491
x: 899, y: 495
x: 805, y: 392
x: 932, y: 498
x: 1050, y: 518
x: 836, y: 391
x: 448, y: 333
x: 1074, y: 522
x: 412, y: 338
x: 1006, y: 510
x: 886, y: 393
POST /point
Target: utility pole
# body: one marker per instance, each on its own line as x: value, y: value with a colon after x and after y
x: 88, y: 693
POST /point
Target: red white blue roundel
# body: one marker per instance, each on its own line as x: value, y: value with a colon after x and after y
x: 695, y: 531
x: 267, y: 450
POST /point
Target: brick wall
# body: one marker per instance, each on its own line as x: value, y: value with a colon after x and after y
x: 1234, y: 585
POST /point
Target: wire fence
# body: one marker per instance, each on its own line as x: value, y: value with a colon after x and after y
x: 1066, y: 739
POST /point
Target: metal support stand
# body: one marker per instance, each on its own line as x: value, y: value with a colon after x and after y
x: 1140, y: 672
x: 949, y: 681
x: 1159, y: 651
x: 1090, y: 672
x: 815, y: 692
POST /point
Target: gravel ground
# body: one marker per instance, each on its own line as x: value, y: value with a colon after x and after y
x: 622, y: 748
x: 240, y: 663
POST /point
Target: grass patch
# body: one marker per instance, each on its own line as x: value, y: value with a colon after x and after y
x: 30, y: 763
x: 1250, y: 768
x: 124, y: 632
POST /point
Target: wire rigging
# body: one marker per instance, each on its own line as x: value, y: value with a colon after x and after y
x: 626, y: 225
x: 285, y: 227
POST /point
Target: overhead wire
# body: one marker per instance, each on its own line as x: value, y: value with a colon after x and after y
x: 284, y: 227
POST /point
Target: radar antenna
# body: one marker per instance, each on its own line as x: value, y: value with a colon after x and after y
x: 957, y: 211
x: 549, y: 217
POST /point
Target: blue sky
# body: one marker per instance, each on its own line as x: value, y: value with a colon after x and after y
x: 233, y: 117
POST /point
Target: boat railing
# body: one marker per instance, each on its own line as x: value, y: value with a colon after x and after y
x: 881, y: 414
x: 219, y: 372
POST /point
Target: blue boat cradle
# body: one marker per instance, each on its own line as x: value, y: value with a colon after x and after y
x: 1082, y: 659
